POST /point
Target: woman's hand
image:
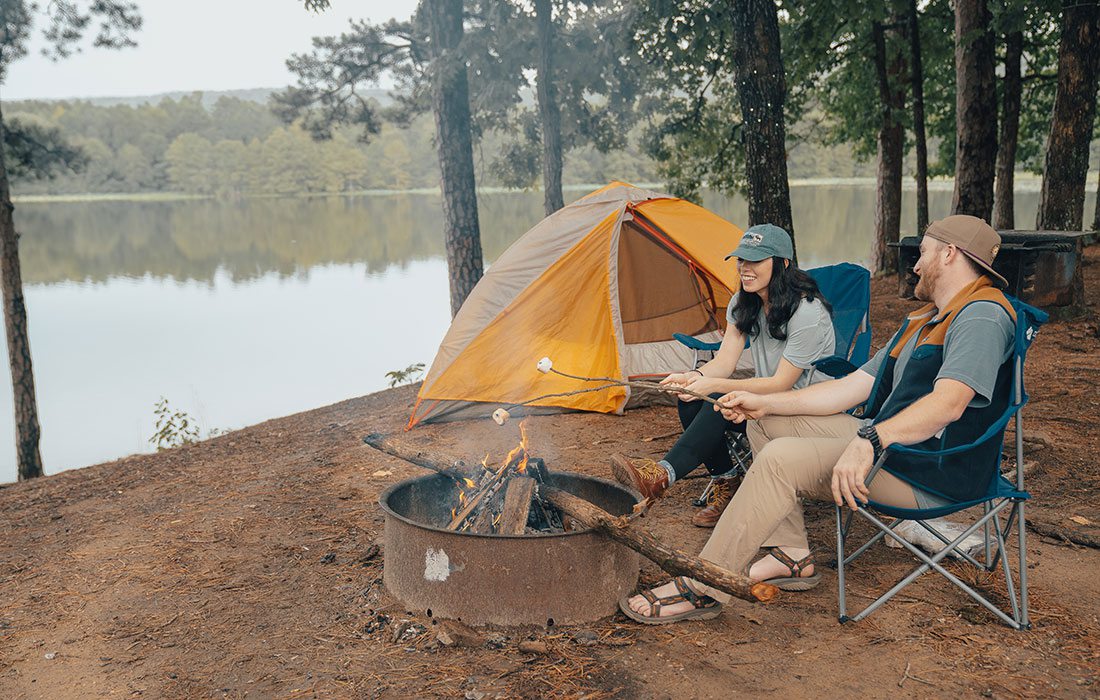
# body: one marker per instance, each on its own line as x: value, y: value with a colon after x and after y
x: 850, y: 473
x: 701, y: 385
x: 680, y: 378
x: 739, y: 406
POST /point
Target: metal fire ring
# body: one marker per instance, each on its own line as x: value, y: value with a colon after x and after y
x: 543, y: 579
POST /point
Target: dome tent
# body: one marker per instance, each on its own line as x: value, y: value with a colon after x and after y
x: 599, y: 286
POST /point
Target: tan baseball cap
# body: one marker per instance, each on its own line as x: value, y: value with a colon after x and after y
x: 974, y: 237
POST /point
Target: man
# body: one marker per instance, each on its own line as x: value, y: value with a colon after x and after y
x: 943, y: 379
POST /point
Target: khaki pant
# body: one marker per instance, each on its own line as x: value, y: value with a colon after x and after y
x: 793, y: 458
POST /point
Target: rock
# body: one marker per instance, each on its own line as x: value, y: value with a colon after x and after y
x: 455, y: 634
x: 369, y: 555
x: 399, y: 629
x: 328, y: 558
x: 533, y: 647
x: 50, y: 656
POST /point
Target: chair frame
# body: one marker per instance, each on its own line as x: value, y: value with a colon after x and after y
x: 989, y: 522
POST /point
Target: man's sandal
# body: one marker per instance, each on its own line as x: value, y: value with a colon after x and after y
x: 705, y: 607
x: 796, y: 581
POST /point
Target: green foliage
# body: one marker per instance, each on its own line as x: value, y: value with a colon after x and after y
x: 174, y: 428
x: 405, y: 376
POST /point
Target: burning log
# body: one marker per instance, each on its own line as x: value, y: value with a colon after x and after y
x: 621, y: 529
x: 518, y: 497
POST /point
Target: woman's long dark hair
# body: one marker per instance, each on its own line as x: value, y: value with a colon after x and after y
x: 788, y: 287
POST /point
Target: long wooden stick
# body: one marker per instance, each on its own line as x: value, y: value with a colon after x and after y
x: 619, y: 529
x: 673, y: 561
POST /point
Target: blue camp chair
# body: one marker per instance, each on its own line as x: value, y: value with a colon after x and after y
x: 847, y: 288
x: 1002, y: 494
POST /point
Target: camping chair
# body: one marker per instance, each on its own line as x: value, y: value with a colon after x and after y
x: 1001, y: 494
x: 847, y: 288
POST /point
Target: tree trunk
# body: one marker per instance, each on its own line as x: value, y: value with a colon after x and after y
x: 1065, y: 169
x: 762, y: 88
x: 451, y: 107
x: 1004, y: 202
x: 15, y: 324
x: 975, y: 110
x: 549, y: 110
x: 919, y: 134
x: 891, y: 141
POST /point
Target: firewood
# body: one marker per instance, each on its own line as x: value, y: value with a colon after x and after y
x: 517, y: 505
x: 673, y: 561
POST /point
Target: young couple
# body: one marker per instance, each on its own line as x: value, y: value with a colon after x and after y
x: 943, y: 380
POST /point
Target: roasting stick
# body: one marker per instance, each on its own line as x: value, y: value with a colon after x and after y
x: 546, y: 366
x: 619, y: 528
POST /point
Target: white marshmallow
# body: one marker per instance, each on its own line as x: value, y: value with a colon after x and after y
x: 545, y: 365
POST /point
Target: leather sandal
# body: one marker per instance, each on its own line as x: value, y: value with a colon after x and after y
x: 796, y: 581
x: 705, y: 607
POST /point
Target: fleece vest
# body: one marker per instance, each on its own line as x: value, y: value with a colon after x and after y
x: 964, y: 476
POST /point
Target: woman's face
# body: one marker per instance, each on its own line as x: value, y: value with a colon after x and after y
x: 755, y: 276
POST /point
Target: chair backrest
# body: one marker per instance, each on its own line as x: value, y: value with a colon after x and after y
x: 847, y: 288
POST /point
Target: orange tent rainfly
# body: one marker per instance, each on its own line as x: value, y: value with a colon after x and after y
x: 600, y: 287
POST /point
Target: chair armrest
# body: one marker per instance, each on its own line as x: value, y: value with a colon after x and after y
x: 834, y: 366
x: 694, y: 343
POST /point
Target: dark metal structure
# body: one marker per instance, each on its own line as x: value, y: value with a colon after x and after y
x: 1043, y: 268
x: 542, y: 579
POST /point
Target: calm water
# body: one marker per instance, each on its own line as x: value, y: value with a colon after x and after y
x: 237, y: 312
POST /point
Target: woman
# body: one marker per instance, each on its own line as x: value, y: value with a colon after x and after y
x: 789, y: 326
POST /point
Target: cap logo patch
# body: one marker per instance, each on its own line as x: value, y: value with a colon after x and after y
x: 752, y: 238
x: 993, y: 253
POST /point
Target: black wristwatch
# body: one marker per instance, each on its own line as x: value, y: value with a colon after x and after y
x: 870, y: 434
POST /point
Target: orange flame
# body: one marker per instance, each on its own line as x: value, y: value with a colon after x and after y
x: 519, y: 451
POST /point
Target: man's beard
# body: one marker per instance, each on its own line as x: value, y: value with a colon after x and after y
x: 926, y: 284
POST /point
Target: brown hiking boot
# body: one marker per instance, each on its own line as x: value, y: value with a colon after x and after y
x: 643, y: 475
x: 721, y: 493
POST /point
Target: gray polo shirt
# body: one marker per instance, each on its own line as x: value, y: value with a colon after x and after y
x: 809, y: 337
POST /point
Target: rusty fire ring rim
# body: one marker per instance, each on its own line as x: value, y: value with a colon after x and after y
x: 384, y: 497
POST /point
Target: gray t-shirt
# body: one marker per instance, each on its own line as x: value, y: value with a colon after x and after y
x: 982, y: 331
x: 809, y: 337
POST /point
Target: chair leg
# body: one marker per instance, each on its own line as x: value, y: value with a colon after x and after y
x: 1008, y: 570
x: 1025, y: 622
x: 841, y: 533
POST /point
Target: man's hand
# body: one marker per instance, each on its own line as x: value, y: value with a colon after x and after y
x: 850, y: 472
x: 739, y: 406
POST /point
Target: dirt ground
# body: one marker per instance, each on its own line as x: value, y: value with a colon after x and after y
x: 249, y: 566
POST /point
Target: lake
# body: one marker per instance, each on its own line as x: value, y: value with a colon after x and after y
x: 237, y: 312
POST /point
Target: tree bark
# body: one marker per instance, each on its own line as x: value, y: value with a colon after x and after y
x: 1065, y: 168
x: 451, y: 107
x: 975, y: 110
x: 1004, y: 202
x: 919, y: 132
x: 549, y: 110
x: 762, y: 88
x: 27, y: 432
x: 891, y: 141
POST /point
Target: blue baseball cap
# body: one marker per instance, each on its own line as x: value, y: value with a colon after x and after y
x: 763, y: 241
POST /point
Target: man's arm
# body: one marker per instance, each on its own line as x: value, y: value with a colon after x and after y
x: 822, y: 399
x: 928, y: 415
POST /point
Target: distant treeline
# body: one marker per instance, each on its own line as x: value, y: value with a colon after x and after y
x: 238, y: 147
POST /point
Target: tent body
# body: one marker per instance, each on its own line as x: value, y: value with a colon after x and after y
x: 599, y: 286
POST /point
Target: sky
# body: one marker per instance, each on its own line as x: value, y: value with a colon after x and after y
x: 194, y: 45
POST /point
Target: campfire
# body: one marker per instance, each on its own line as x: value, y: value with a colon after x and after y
x: 506, y: 500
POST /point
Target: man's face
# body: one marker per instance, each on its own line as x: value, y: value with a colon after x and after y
x: 928, y: 267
